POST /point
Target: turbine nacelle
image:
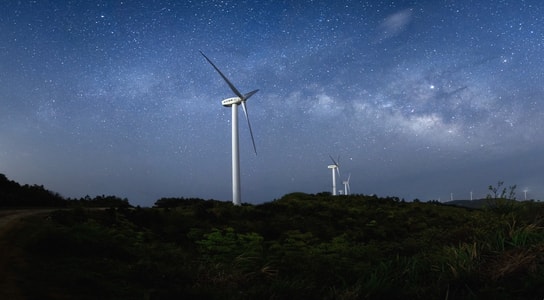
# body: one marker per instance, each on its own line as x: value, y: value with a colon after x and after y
x: 335, y: 164
x: 239, y: 100
x: 230, y: 101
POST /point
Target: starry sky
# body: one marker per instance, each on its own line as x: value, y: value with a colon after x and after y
x: 418, y: 99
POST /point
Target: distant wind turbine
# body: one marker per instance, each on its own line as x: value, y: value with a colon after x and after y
x: 347, y: 190
x: 333, y: 167
x: 233, y: 102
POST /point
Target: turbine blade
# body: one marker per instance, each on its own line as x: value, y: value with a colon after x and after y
x: 246, y: 96
x: 232, y: 87
x: 333, y: 161
x: 349, y: 176
x: 338, y: 165
x: 249, y: 124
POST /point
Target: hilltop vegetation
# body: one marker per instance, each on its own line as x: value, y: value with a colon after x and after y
x: 14, y: 195
x: 302, y: 246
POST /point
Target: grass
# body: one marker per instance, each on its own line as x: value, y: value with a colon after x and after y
x: 277, y: 251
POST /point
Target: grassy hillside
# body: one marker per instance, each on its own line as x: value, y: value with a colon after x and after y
x: 299, y: 246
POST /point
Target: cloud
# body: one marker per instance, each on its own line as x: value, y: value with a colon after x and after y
x: 394, y: 24
x: 325, y: 106
x: 430, y: 126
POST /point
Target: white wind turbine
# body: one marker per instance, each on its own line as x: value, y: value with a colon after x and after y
x: 334, y: 167
x: 347, y: 190
x: 234, y: 102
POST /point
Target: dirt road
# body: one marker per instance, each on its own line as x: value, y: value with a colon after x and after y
x: 8, y: 216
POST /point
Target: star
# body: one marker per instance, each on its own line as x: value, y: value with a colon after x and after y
x: 425, y: 99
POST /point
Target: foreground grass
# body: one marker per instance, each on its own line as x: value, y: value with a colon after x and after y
x: 300, y: 246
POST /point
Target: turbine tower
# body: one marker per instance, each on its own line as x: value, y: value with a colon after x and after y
x: 233, y: 102
x: 347, y: 190
x: 334, y: 167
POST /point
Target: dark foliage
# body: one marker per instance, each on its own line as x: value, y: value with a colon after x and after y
x: 13, y: 194
x: 100, y: 201
x: 315, y: 246
x: 299, y: 246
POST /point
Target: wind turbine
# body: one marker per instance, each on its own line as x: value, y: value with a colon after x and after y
x: 347, y: 190
x: 233, y: 102
x: 333, y: 167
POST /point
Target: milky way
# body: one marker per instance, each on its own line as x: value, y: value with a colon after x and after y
x: 419, y: 99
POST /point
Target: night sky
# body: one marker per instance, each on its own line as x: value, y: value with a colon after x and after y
x: 419, y: 99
